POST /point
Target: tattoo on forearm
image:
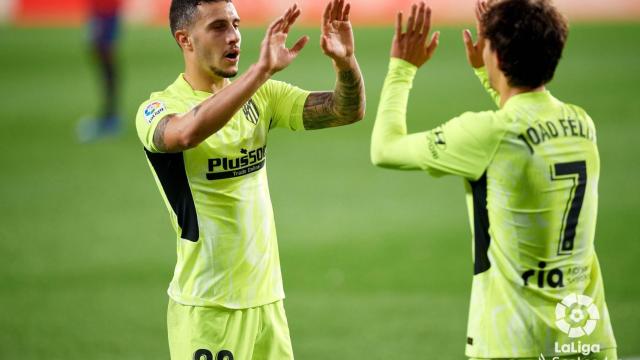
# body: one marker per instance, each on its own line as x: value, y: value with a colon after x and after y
x: 158, y: 134
x: 343, y: 106
x: 319, y: 111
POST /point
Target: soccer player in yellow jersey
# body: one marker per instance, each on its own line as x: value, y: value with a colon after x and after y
x: 531, y: 172
x: 205, y: 139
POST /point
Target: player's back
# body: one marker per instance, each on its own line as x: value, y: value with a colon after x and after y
x: 534, y: 214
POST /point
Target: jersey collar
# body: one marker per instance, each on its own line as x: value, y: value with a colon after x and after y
x: 184, y: 88
x: 527, y: 98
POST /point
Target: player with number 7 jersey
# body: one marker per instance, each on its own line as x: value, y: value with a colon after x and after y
x: 531, y: 173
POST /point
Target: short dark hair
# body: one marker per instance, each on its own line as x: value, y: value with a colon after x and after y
x: 183, y: 12
x: 528, y: 37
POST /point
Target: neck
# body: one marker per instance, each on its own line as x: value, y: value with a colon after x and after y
x: 507, y: 92
x: 203, y: 81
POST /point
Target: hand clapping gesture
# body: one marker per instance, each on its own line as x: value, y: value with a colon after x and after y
x: 412, y: 45
x: 337, y: 34
x: 274, y: 54
x: 474, y: 50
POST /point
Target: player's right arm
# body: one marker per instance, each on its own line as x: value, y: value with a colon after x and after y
x: 474, y: 52
x: 176, y: 133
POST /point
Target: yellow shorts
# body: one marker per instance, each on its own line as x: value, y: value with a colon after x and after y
x: 216, y: 333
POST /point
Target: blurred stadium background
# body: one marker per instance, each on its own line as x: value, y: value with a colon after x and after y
x: 377, y: 264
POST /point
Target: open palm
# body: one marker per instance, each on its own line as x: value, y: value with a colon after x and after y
x: 274, y: 54
x: 337, y: 33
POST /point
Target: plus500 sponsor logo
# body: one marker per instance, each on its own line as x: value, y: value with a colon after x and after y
x: 249, y: 158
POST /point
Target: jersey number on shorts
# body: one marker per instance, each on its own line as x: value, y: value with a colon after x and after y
x: 577, y: 172
x: 204, y: 354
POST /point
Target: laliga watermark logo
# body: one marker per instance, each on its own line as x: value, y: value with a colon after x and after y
x: 577, y: 315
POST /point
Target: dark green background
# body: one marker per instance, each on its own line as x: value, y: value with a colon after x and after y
x: 377, y: 264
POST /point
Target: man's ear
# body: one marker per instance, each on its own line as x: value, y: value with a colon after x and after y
x: 183, y: 40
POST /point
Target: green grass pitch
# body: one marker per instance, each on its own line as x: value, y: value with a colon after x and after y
x: 377, y: 264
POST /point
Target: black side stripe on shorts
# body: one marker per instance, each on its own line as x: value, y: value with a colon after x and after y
x: 173, y: 177
x: 481, y: 237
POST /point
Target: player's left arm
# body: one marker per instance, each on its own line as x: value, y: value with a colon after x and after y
x: 462, y: 146
x: 346, y: 104
x: 391, y: 146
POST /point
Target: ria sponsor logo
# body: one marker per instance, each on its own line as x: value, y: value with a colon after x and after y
x: 224, y: 168
x: 554, y: 278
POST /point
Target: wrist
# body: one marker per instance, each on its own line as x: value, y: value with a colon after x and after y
x: 404, y: 64
x: 348, y: 63
x: 262, y: 71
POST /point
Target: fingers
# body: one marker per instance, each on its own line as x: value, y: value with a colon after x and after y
x: 483, y: 6
x: 480, y: 9
x: 399, y: 25
x: 326, y: 16
x: 323, y: 43
x: 427, y: 23
x: 419, y: 20
x: 275, y: 26
x: 284, y: 23
x: 412, y: 19
x: 468, y: 41
x: 337, y: 9
x: 433, y: 44
x: 299, y: 45
x: 291, y: 17
x: 345, y: 13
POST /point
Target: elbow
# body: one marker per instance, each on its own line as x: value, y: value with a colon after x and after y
x: 188, y: 143
x: 191, y: 136
x: 377, y: 157
x: 360, y: 114
x: 353, y: 117
x: 188, y: 140
x: 376, y: 160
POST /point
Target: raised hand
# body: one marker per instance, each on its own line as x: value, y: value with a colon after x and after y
x: 337, y: 33
x: 474, y: 50
x: 412, y: 45
x: 274, y: 54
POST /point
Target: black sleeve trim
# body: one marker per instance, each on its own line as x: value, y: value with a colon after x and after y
x: 481, y: 236
x: 173, y: 177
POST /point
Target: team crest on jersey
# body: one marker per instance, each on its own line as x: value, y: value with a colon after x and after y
x: 152, y: 110
x: 250, y: 110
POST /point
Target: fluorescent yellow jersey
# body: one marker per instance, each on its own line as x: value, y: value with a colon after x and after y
x: 218, y: 197
x: 531, y: 173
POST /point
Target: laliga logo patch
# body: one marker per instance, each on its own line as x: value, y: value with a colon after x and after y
x: 152, y: 110
x: 577, y: 315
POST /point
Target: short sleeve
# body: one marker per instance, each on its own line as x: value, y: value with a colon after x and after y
x: 464, y: 145
x: 148, y: 116
x: 287, y: 104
